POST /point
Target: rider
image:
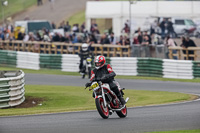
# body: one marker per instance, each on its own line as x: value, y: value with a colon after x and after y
x: 84, y: 54
x: 106, y: 74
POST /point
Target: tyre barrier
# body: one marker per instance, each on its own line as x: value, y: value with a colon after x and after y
x: 11, y: 88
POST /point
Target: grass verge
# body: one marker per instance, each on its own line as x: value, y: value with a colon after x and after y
x: 59, y: 72
x: 179, y: 131
x: 72, y: 98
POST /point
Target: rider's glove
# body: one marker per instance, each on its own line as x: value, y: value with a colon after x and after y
x: 87, y: 84
x: 104, y: 77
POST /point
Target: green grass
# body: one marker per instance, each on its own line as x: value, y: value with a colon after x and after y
x: 72, y: 98
x: 158, y: 78
x: 15, y: 6
x: 59, y: 72
x: 41, y: 71
x: 77, y: 18
x: 179, y: 131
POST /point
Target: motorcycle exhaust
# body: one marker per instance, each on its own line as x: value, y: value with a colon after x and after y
x: 127, y: 99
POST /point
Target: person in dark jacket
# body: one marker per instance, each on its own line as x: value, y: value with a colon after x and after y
x: 190, y: 43
x: 84, y: 54
x: 106, y: 74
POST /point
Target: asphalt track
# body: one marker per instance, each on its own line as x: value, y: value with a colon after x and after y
x: 179, y: 116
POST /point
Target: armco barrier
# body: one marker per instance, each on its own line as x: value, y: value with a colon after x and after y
x: 11, y: 88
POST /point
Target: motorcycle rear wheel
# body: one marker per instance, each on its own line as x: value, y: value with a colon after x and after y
x: 104, y: 112
x: 122, y: 113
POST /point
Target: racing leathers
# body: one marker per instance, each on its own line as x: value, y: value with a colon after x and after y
x: 83, y: 56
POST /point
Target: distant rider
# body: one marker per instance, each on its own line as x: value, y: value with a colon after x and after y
x: 106, y: 74
x: 84, y: 54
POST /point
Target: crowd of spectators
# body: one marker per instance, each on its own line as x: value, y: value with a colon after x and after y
x: 78, y: 34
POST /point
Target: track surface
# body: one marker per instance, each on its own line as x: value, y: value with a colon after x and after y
x: 182, y: 116
x: 62, y: 10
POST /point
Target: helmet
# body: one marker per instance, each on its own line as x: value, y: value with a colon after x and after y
x: 84, y: 46
x: 99, y: 61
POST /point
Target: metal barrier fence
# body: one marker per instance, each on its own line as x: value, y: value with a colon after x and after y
x: 155, y: 51
x: 11, y: 88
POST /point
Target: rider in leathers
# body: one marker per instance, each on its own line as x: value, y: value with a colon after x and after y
x: 106, y: 74
x: 84, y: 54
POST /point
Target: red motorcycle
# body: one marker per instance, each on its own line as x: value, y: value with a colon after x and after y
x: 106, y: 100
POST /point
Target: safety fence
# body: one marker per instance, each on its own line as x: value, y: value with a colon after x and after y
x: 190, y: 53
x: 64, y: 48
x: 11, y: 88
x: 153, y: 67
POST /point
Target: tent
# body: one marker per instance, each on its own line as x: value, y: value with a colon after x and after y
x: 138, y: 13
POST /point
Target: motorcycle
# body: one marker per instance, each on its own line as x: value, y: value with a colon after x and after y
x: 107, y: 102
x: 86, y: 67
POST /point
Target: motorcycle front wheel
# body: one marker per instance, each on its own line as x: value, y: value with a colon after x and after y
x: 103, y: 111
x: 122, y: 113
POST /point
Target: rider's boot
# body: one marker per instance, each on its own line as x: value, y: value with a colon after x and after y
x: 119, y: 95
x: 121, y: 99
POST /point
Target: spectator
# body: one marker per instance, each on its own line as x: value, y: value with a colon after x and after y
x: 149, y: 37
x: 67, y: 38
x: 146, y: 40
x: 104, y: 39
x: 56, y: 38
x: 62, y: 38
x: 163, y: 28
x: 62, y: 25
x: 135, y: 39
x: 79, y: 39
x: 92, y: 38
x: 156, y: 39
x: 83, y: 27
x: 53, y: 25
x: 93, y: 27
x: 38, y: 37
x: 121, y: 41
x: 170, y: 43
x: 126, y: 28
x: 170, y: 29
x: 138, y: 30
x: 67, y: 27
x: 26, y: 37
x: 20, y: 35
x: 75, y: 28
x: 183, y: 44
x: 46, y: 38
x: 140, y: 37
x: 74, y: 38
x: 190, y: 43
x: 31, y: 37
x: 112, y: 38
x: 153, y: 27
x: 127, y: 40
